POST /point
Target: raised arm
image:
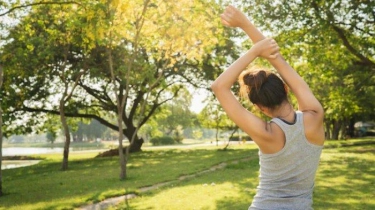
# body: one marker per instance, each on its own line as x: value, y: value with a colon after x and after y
x: 307, y: 102
x: 248, y: 122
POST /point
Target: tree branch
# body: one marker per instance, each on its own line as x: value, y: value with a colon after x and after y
x: 1, y: 76
x: 80, y: 115
x: 36, y: 4
x: 101, y: 96
x: 340, y: 33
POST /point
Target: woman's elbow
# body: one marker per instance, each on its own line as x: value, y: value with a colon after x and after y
x: 220, y: 87
x: 215, y: 87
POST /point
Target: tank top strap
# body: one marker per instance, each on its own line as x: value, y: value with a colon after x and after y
x: 284, y: 125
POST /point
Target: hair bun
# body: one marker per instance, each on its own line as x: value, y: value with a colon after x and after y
x: 262, y: 87
x: 255, y: 79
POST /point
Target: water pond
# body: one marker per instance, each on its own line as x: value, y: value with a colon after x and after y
x: 22, y: 151
x: 8, y: 164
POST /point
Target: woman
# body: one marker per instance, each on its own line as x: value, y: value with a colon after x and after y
x: 290, y: 144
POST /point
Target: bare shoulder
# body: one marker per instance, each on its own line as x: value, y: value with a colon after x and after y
x: 314, y: 128
x: 273, y: 141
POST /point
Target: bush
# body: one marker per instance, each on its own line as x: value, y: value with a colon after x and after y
x: 163, y: 140
x: 237, y: 138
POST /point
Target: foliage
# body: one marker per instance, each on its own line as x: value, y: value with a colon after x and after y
x: 1, y: 132
x: 51, y: 136
x: 89, y: 131
x: 171, y: 49
x: 214, y: 117
x: 162, y: 140
x: 237, y: 137
x: 175, y: 115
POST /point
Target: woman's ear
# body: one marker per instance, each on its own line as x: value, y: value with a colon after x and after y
x: 264, y: 110
x: 259, y: 107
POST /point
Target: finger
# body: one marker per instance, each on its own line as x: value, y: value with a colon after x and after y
x: 231, y: 8
x: 225, y: 22
x: 224, y: 17
x: 267, y: 39
x: 274, y: 51
x: 273, y: 56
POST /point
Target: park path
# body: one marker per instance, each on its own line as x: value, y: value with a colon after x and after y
x: 116, y: 200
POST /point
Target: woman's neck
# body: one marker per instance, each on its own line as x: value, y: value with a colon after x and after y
x: 285, y: 112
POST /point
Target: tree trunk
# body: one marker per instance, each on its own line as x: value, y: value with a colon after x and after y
x: 136, y: 145
x: 1, y: 146
x: 350, y: 131
x: 64, y: 165
x: 122, y: 160
x: 343, y: 129
x: 336, y: 129
x: 230, y: 137
x: 328, y: 129
x: 217, y: 136
x: 1, y: 135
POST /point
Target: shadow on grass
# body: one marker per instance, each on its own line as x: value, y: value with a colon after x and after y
x: 231, y: 187
x: 345, y: 180
x: 92, y: 180
x: 246, y: 186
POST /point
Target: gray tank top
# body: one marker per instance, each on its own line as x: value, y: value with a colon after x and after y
x: 286, y: 178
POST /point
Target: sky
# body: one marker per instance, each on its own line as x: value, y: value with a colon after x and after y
x: 198, y: 103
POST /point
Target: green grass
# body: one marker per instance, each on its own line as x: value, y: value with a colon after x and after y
x: 89, y: 179
x: 345, y: 180
x: 230, y: 188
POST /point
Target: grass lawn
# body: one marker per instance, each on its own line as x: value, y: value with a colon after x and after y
x: 88, y: 180
x: 345, y: 180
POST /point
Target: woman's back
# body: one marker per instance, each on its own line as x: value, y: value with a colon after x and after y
x: 287, y: 177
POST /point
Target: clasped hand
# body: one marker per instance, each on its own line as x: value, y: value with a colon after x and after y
x: 266, y: 48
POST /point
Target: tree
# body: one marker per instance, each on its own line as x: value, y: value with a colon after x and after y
x: 175, y: 114
x: 51, y: 136
x: 213, y: 116
x: 93, y: 130
x: 1, y: 134
x: 60, y: 62
x: 146, y: 72
x: 11, y: 7
x: 143, y: 14
x: 67, y: 93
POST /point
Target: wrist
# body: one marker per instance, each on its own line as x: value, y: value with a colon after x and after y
x: 246, y: 25
x: 254, y: 34
x: 253, y: 52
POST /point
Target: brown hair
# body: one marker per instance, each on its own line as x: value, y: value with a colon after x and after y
x: 263, y: 88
